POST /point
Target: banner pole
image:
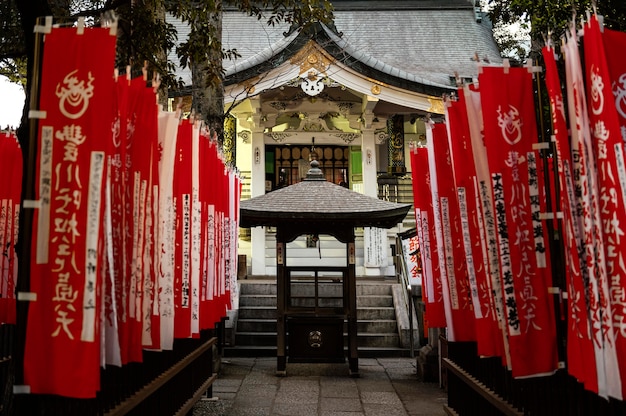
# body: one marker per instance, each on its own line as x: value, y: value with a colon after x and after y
x: 26, y: 212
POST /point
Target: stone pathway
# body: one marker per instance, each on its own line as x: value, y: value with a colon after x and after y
x: 386, y: 387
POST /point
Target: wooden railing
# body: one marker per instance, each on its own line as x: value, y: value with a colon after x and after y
x: 483, y: 387
x: 165, y: 383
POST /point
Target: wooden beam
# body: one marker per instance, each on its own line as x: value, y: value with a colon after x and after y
x: 150, y: 388
x: 498, y: 402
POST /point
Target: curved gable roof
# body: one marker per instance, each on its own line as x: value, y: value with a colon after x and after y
x: 318, y: 206
x: 416, y: 45
x: 404, y: 42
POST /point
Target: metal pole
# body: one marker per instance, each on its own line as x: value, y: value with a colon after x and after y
x: 26, y: 214
x: 408, y: 288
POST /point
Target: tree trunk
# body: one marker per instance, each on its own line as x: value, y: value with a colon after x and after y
x: 208, y: 94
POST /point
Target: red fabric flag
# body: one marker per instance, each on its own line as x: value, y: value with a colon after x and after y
x: 457, y: 297
x: 145, y: 164
x: 609, y: 152
x: 212, y: 296
x: 585, y: 174
x: 488, y: 335
x: 168, y: 131
x: 509, y: 125
x: 62, y: 352
x: 196, y: 231
x: 615, y: 45
x: 206, y: 288
x: 580, y: 354
x: 433, y: 290
x: 140, y: 124
x: 116, y: 312
x: 487, y: 211
x: 182, y: 196
x: 10, y: 198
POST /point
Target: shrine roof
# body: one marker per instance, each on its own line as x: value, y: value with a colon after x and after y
x: 319, y: 203
x: 404, y: 42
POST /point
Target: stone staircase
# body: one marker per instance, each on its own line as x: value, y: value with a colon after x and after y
x: 254, y: 332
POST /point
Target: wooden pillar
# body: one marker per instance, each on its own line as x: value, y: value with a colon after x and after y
x: 281, y: 324
x: 353, y: 353
x: 395, y: 128
x: 257, y: 188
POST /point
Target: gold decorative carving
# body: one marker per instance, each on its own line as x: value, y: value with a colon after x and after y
x: 311, y: 57
x: 376, y: 89
x: 436, y: 106
x: 315, y: 339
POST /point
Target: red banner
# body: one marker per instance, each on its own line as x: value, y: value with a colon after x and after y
x: 487, y: 211
x: 510, y: 130
x: 488, y: 335
x: 10, y: 197
x: 609, y: 152
x: 585, y: 174
x: 62, y: 352
x: 182, y: 198
x: 433, y: 290
x: 457, y: 298
x: 168, y: 131
x: 615, y: 45
x: 580, y: 353
x: 146, y: 156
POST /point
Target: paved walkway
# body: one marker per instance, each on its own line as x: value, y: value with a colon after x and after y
x: 386, y: 387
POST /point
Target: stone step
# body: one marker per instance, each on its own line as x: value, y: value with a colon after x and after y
x: 374, y: 300
x: 261, y: 325
x: 257, y: 300
x: 377, y: 326
x: 373, y: 289
x: 377, y: 330
x: 332, y: 289
x: 261, y: 288
x: 364, y: 352
x: 264, y: 339
x: 367, y: 313
x: 374, y: 313
x: 257, y: 312
x: 269, y: 300
x: 269, y: 325
x: 268, y: 339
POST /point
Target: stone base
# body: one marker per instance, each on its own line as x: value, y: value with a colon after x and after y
x: 427, y: 364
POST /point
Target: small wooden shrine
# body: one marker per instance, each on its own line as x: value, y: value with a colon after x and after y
x: 314, y: 303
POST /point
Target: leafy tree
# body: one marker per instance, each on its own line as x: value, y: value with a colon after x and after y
x: 543, y: 18
x: 144, y: 37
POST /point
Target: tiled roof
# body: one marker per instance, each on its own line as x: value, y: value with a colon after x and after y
x: 320, y: 203
x: 424, y: 42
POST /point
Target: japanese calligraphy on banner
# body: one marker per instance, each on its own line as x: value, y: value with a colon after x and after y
x: 10, y: 196
x: 62, y: 334
x: 608, y: 148
x: 182, y: 198
x: 488, y: 335
x: 412, y: 256
x: 431, y: 278
x: 580, y: 352
x: 614, y: 46
x: 471, y: 96
x: 584, y: 172
x: 164, y: 300
x: 509, y: 126
x: 457, y: 298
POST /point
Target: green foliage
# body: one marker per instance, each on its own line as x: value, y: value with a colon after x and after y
x: 550, y: 18
x: 145, y: 37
